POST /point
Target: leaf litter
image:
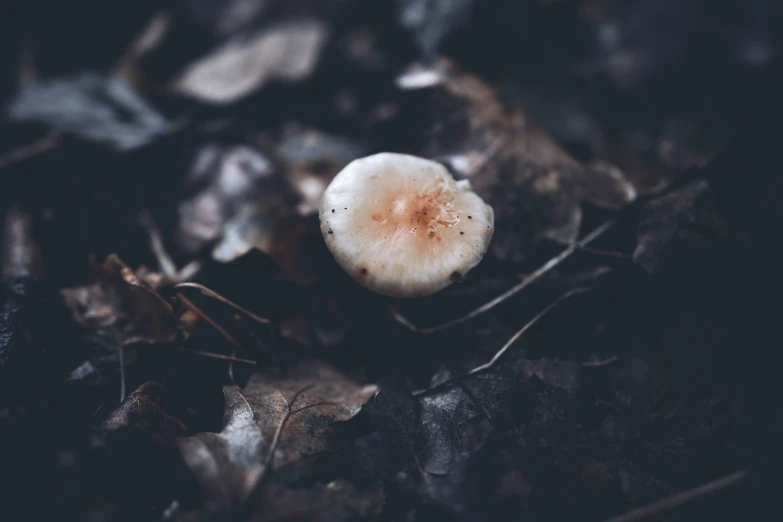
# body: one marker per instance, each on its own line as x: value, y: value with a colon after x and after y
x: 609, y: 358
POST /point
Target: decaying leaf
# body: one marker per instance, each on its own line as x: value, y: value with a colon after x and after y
x: 234, y: 196
x: 448, y: 436
x: 678, y: 224
x: 533, y: 201
x: 227, y: 464
x: 306, y: 401
x: 148, y: 412
x: 95, y: 108
x: 283, y: 52
x: 121, y: 309
x: 535, y: 187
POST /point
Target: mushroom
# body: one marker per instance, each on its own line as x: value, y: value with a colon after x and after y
x: 403, y: 226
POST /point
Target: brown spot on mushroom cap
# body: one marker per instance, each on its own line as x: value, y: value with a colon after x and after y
x: 400, y: 204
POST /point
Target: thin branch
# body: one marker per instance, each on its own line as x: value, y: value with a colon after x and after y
x: 680, y: 499
x: 605, y: 253
x: 199, y: 312
x: 495, y: 148
x: 221, y: 356
x: 532, y: 278
x: 122, y: 373
x: 486, y: 366
x: 165, y: 262
x: 602, y: 362
x: 214, y: 295
x: 45, y: 144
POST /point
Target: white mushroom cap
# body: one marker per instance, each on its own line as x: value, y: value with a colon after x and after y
x: 402, y: 226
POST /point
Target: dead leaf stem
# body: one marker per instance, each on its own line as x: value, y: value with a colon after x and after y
x: 213, y: 355
x: 680, y: 499
x: 214, y: 295
x: 199, y: 312
x: 486, y: 366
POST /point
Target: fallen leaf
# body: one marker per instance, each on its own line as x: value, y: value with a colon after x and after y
x: 677, y: 225
x: 310, y: 399
x: 227, y: 464
x: 535, y: 187
x: 121, y: 309
x: 95, y: 108
x: 533, y: 201
x: 283, y: 52
x: 233, y: 196
x: 148, y: 412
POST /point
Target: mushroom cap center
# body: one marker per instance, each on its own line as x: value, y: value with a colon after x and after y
x: 402, y: 225
x: 421, y: 213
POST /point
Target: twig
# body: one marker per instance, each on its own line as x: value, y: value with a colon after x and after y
x: 144, y: 42
x: 535, y: 276
x: 121, y: 358
x: 486, y: 366
x: 165, y: 262
x: 602, y: 362
x: 211, y: 293
x: 221, y: 356
x: 167, y: 265
x: 605, y: 253
x: 26, y: 152
x: 675, y: 501
x: 495, y: 148
x: 199, y: 312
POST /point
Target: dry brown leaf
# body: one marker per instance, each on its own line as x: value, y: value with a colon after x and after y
x: 121, y: 308
x: 309, y: 398
x: 535, y: 187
